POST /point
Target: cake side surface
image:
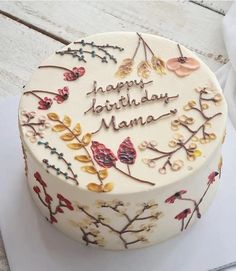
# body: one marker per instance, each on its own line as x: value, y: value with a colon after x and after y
x: 122, y: 134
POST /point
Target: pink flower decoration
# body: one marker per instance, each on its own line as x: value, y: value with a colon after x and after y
x: 126, y: 152
x: 102, y: 155
x: 53, y: 219
x: 48, y: 198
x: 45, y: 103
x: 63, y: 95
x: 212, y: 176
x: 59, y: 210
x: 183, y: 214
x: 65, y: 201
x: 79, y: 70
x: 74, y: 74
x: 177, y: 195
x: 182, y: 66
x: 36, y: 189
x: 39, y: 179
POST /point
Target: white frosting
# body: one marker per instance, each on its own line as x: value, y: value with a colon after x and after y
x: 51, y: 79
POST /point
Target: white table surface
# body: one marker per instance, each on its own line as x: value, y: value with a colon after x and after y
x: 31, y: 31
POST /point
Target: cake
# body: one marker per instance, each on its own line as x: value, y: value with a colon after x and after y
x: 121, y: 135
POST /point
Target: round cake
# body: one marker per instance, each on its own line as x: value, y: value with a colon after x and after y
x: 122, y: 136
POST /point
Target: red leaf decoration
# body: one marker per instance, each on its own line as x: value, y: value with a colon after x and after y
x: 126, y: 152
x: 102, y: 155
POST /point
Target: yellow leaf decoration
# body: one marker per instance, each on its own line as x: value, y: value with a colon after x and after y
x: 100, y: 188
x: 58, y: 128
x: 87, y: 138
x: 158, y: 65
x: 103, y: 174
x: 77, y: 129
x: 67, y: 121
x: 83, y: 158
x: 67, y: 137
x: 75, y: 146
x: 89, y: 169
x: 94, y: 187
x: 108, y: 187
x: 53, y: 116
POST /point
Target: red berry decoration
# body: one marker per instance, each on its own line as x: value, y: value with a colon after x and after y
x: 126, y: 152
x: 102, y: 155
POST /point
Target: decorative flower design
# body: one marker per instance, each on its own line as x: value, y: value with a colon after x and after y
x: 182, y: 66
x: 45, y: 103
x: 125, y: 68
x: 102, y: 155
x: 143, y: 68
x: 177, y: 195
x: 36, y: 129
x: 182, y: 215
x: 212, y: 177
x: 158, y: 65
x: 132, y: 232
x: 126, y: 152
x: 47, y: 200
x: 65, y: 201
x: 38, y: 178
x: 63, y: 95
x: 74, y: 74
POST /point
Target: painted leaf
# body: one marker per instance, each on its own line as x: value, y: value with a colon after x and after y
x: 77, y: 129
x: 53, y: 116
x: 126, y: 152
x: 103, y: 174
x: 58, y: 128
x: 89, y: 169
x: 75, y: 146
x: 67, y: 137
x: 102, y: 155
x: 67, y: 121
x: 108, y: 187
x: 94, y: 187
x: 83, y: 158
x: 87, y: 138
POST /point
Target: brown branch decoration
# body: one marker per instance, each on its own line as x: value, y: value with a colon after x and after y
x: 133, y: 230
x: 179, y: 142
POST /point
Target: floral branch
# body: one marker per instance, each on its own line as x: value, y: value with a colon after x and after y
x: 100, y: 221
x: 179, y: 143
x: 211, y: 180
x: 35, y: 128
x: 145, y: 66
x: 70, y: 74
x: 188, y: 211
x: 80, y: 53
x: 72, y: 177
x: 45, y: 103
x: 47, y: 200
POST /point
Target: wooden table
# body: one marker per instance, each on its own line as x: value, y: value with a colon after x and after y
x: 31, y: 31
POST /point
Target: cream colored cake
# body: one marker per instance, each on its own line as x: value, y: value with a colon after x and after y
x: 122, y: 136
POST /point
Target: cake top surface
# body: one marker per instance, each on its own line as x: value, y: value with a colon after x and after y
x: 122, y: 112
